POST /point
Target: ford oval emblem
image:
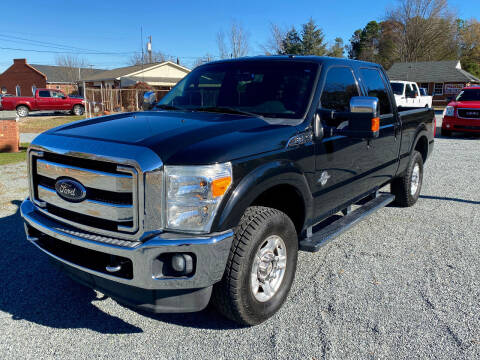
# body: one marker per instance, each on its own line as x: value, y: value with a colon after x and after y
x: 70, y: 190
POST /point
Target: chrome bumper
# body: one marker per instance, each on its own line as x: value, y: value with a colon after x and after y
x: 211, y: 252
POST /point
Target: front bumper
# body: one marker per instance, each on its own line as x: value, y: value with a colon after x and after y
x: 460, y: 124
x: 141, y: 286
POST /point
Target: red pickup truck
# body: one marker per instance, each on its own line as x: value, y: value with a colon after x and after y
x: 44, y: 99
x: 463, y: 114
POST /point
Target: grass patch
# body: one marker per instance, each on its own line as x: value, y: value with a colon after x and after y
x: 10, y: 158
x: 33, y: 125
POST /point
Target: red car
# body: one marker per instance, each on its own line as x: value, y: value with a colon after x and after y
x: 44, y: 99
x: 463, y: 114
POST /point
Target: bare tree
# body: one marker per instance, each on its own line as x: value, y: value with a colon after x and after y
x: 157, y: 56
x: 424, y: 29
x: 72, y: 65
x: 233, y: 44
x: 274, y: 44
x: 203, y: 60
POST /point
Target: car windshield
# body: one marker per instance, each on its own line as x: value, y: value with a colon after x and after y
x: 277, y: 89
x: 469, y: 95
x: 397, y: 88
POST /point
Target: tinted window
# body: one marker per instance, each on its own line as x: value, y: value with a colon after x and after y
x: 340, y: 87
x: 376, y: 88
x: 469, y: 95
x: 271, y: 89
x: 44, y: 93
x: 397, y: 88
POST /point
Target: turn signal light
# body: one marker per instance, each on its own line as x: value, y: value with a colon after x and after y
x: 220, y: 186
x: 375, y: 124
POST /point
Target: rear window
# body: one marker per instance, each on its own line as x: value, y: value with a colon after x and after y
x: 397, y: 88
x: 376, y: 88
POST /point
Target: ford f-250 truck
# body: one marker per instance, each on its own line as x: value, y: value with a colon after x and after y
x: 463, y: 114
x: 211, y: 195
x: 44, y: 99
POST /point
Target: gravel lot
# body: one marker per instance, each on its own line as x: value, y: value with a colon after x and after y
x: 403, y: 284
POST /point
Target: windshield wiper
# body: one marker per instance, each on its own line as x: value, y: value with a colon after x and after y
x: 167, y: 107
x: 227, y: 110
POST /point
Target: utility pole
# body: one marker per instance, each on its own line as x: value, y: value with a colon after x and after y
x: 149, y: 49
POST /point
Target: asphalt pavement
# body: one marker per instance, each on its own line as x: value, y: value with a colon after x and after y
x: 403, y: 284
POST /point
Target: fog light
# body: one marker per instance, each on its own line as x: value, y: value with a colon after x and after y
x: 182, y: 263
x: 448, y: 126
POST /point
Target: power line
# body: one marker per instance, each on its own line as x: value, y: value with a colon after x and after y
x: 70, y: 52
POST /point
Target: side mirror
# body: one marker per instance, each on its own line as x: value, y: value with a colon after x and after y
x: 149, y: 100
x: 363, y: 121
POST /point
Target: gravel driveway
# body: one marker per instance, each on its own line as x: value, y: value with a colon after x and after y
x: 403, y: 284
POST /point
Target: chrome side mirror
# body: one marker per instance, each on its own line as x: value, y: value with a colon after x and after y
x: 318, y: 127
x: 149, y: 100
x: 364, y: 104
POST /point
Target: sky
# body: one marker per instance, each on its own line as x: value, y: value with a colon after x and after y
x: 107, y: 33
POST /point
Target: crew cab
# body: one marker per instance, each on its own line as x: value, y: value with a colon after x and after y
x: 463, y: 114
x: 44, y: 99
x: 408, y: 94
x: 210, y: 194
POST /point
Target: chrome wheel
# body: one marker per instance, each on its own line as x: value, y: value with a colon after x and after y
x: 22, y: 111
x: 78, y: 110
x: 268, y: 268
x: 415, y: 182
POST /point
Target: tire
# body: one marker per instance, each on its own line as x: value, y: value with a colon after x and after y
x: 234, y: 296
x: 446, y: 133
x: 78, y: 110
x: 407, y: 188
x: 22, y: 111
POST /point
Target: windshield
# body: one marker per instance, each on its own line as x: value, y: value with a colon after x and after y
x: 397, y: 88
x: 469, y: 95
x: 276, y: 89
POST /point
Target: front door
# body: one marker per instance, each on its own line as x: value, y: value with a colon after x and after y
x: 383, y: 151
x: 340, y: 160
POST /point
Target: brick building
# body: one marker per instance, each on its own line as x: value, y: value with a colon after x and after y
x: 22, y: 79
x: 442, y: 79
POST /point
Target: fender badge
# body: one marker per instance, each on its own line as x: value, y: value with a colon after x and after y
x: 324, y: 178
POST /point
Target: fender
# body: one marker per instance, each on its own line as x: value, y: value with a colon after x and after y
x: 24, y: 103
x: 419, y: 132
x: 253, y: 184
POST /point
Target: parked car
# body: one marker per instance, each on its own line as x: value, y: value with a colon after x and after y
x: 211, y: 195
x: 408, y: 94
x: 463, y: 114
x: 44, y: 99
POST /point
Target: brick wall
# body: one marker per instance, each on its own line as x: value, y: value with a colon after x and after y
x: 9, y: 137
x: 66, y: 88
x: 23, y: 75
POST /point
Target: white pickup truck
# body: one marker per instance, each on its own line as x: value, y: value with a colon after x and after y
x: 408, y: 94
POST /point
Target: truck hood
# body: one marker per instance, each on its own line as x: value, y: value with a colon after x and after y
x: 465, y: 104
x: 186, y: 137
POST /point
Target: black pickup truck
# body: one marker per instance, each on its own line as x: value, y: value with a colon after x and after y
x: 211, y: 193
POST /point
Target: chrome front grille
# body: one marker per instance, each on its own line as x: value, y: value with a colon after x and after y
x: 469, y: 113
x: 111, y: 206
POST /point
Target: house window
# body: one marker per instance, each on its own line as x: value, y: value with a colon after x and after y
x: 4, y: 90
x: 34, y: 90
x: 438, y: 90
x: 18, y: 91
x: 58, y: 87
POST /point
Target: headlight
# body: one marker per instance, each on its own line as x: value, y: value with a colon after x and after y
x: 450, y: 111
x: 193, y: 194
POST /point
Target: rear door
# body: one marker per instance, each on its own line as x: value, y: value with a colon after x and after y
x: 340, y: 160
x: 44, y: 100
x: 382, y: 152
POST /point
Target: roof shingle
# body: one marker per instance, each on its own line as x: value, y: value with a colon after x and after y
x: 431, y: 71
x: 62, y: 74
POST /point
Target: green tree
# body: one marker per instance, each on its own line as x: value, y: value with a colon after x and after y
x: 337, y: 49
x: 292, y: 43
x: 468, y: 40
x: 313, y: 39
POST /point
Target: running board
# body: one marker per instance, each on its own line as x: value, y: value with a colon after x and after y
x: 330, y: 232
